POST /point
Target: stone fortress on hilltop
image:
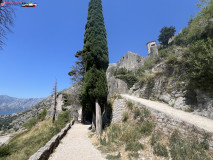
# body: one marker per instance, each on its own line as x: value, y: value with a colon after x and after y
x: 152, y: 48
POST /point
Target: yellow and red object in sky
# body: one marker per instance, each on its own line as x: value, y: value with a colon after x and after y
x: 29, y: 4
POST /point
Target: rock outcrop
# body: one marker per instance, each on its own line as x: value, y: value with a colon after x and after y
x: 130, y: 61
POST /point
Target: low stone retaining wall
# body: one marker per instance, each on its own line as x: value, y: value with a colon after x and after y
x: 168, y: 124
x: 44, y: 152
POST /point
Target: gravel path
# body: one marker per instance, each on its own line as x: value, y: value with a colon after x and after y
x: 76, y: 145
x: 199, y: 121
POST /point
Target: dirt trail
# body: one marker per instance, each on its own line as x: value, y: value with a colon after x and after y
x: 76, y: 145
x: 199, y: 121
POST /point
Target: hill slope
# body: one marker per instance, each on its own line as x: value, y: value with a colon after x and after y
x: 10, y: 105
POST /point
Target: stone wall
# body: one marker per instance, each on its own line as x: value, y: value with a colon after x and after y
x: 44, y: 152
x: 119, y: 106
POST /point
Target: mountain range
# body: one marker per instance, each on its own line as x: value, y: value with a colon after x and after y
x: 9, y: 105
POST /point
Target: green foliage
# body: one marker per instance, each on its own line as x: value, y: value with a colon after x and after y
x: 133, y: 154
x: 171, y: 60
x: 155, y: 138
x: 160, y: 150
x: 32, y: 122
x: 148, y: 64
x: 190, y: 109
x: 130, y: 105
x: 5, y: 122
x: 200, y: 68
x: 165, y: 34
x: 129, y: 79
x: 146, y: 112
x: 121, y: 71
x: 125, y: 133
x: 112, y: 157
x: 103, y: 141
x: 125, y: 116
x: 127, y: 76
x: 199, y: 27
x: 43, y: 114
x: 63, y: 118
x: 78, y: 70
x: 136, y: 113
x: 23, y: 145
x: 95, y: 57
x: 147, y: 79
x: 4, y: 150
x: 186, y: 148
x: 134, y: 146
x: 147, y: 127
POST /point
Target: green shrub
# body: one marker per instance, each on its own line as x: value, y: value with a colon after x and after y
x: 4, y: 151
x: 186, y: 148
x: 141, y: 117
x: 189, y: 109
x: 43, y: 114
x: 121, y: 71
x: 147, y: 127
x: 155, y: 138
x: 160, y: 150
x: 171, y: 60
x: 125, y: 116
x: 133, y: 154
x: 146, y: 112
x: 148, y: 64
x: 200, y: 68
x: 63, y: 118
x: 134, y: 146
x: 136, y: 113
x: 32, y: 122
x: 112, y: 157
x: 103, y: 141
x: 147, y: 79
x: 130, y: 105
x: 129, y: 79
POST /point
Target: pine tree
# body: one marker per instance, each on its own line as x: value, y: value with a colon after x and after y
x: 96, y: 61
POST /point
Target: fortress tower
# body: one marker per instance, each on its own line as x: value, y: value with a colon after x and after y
x: 152, y: 48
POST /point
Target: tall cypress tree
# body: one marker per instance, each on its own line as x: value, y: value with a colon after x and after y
x: 96, y: 61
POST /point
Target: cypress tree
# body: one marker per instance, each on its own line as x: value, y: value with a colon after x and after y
x: 95, y: 56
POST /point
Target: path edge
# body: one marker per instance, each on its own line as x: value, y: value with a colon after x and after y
x: 44, y: 152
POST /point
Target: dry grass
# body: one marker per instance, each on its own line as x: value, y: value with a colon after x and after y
x: 23, y: 145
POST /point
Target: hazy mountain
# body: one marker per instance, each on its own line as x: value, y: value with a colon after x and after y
x: 10, y: 105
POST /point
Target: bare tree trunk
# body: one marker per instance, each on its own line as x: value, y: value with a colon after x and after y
x: 98, y: 119
x: 55, y: 100
x: 93, y: 121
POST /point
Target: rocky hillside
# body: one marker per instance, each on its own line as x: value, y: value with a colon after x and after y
x: 10, y: 105
x: 179, y: 74
x: 66, y: 99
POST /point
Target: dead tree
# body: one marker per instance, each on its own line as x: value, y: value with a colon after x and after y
x: 6, y: 20
x: 54, y: 100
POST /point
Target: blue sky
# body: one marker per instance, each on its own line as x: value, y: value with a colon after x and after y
x: 45, y: 39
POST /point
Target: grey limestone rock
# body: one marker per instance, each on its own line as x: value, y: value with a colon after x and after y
x: 131, y: 61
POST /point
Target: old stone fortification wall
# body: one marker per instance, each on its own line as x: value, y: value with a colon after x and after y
x: 164, y: 122
x: 44, y: 152
x: 119, y: 106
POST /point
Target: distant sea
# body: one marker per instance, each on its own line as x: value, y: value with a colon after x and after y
x: 6, y: 113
